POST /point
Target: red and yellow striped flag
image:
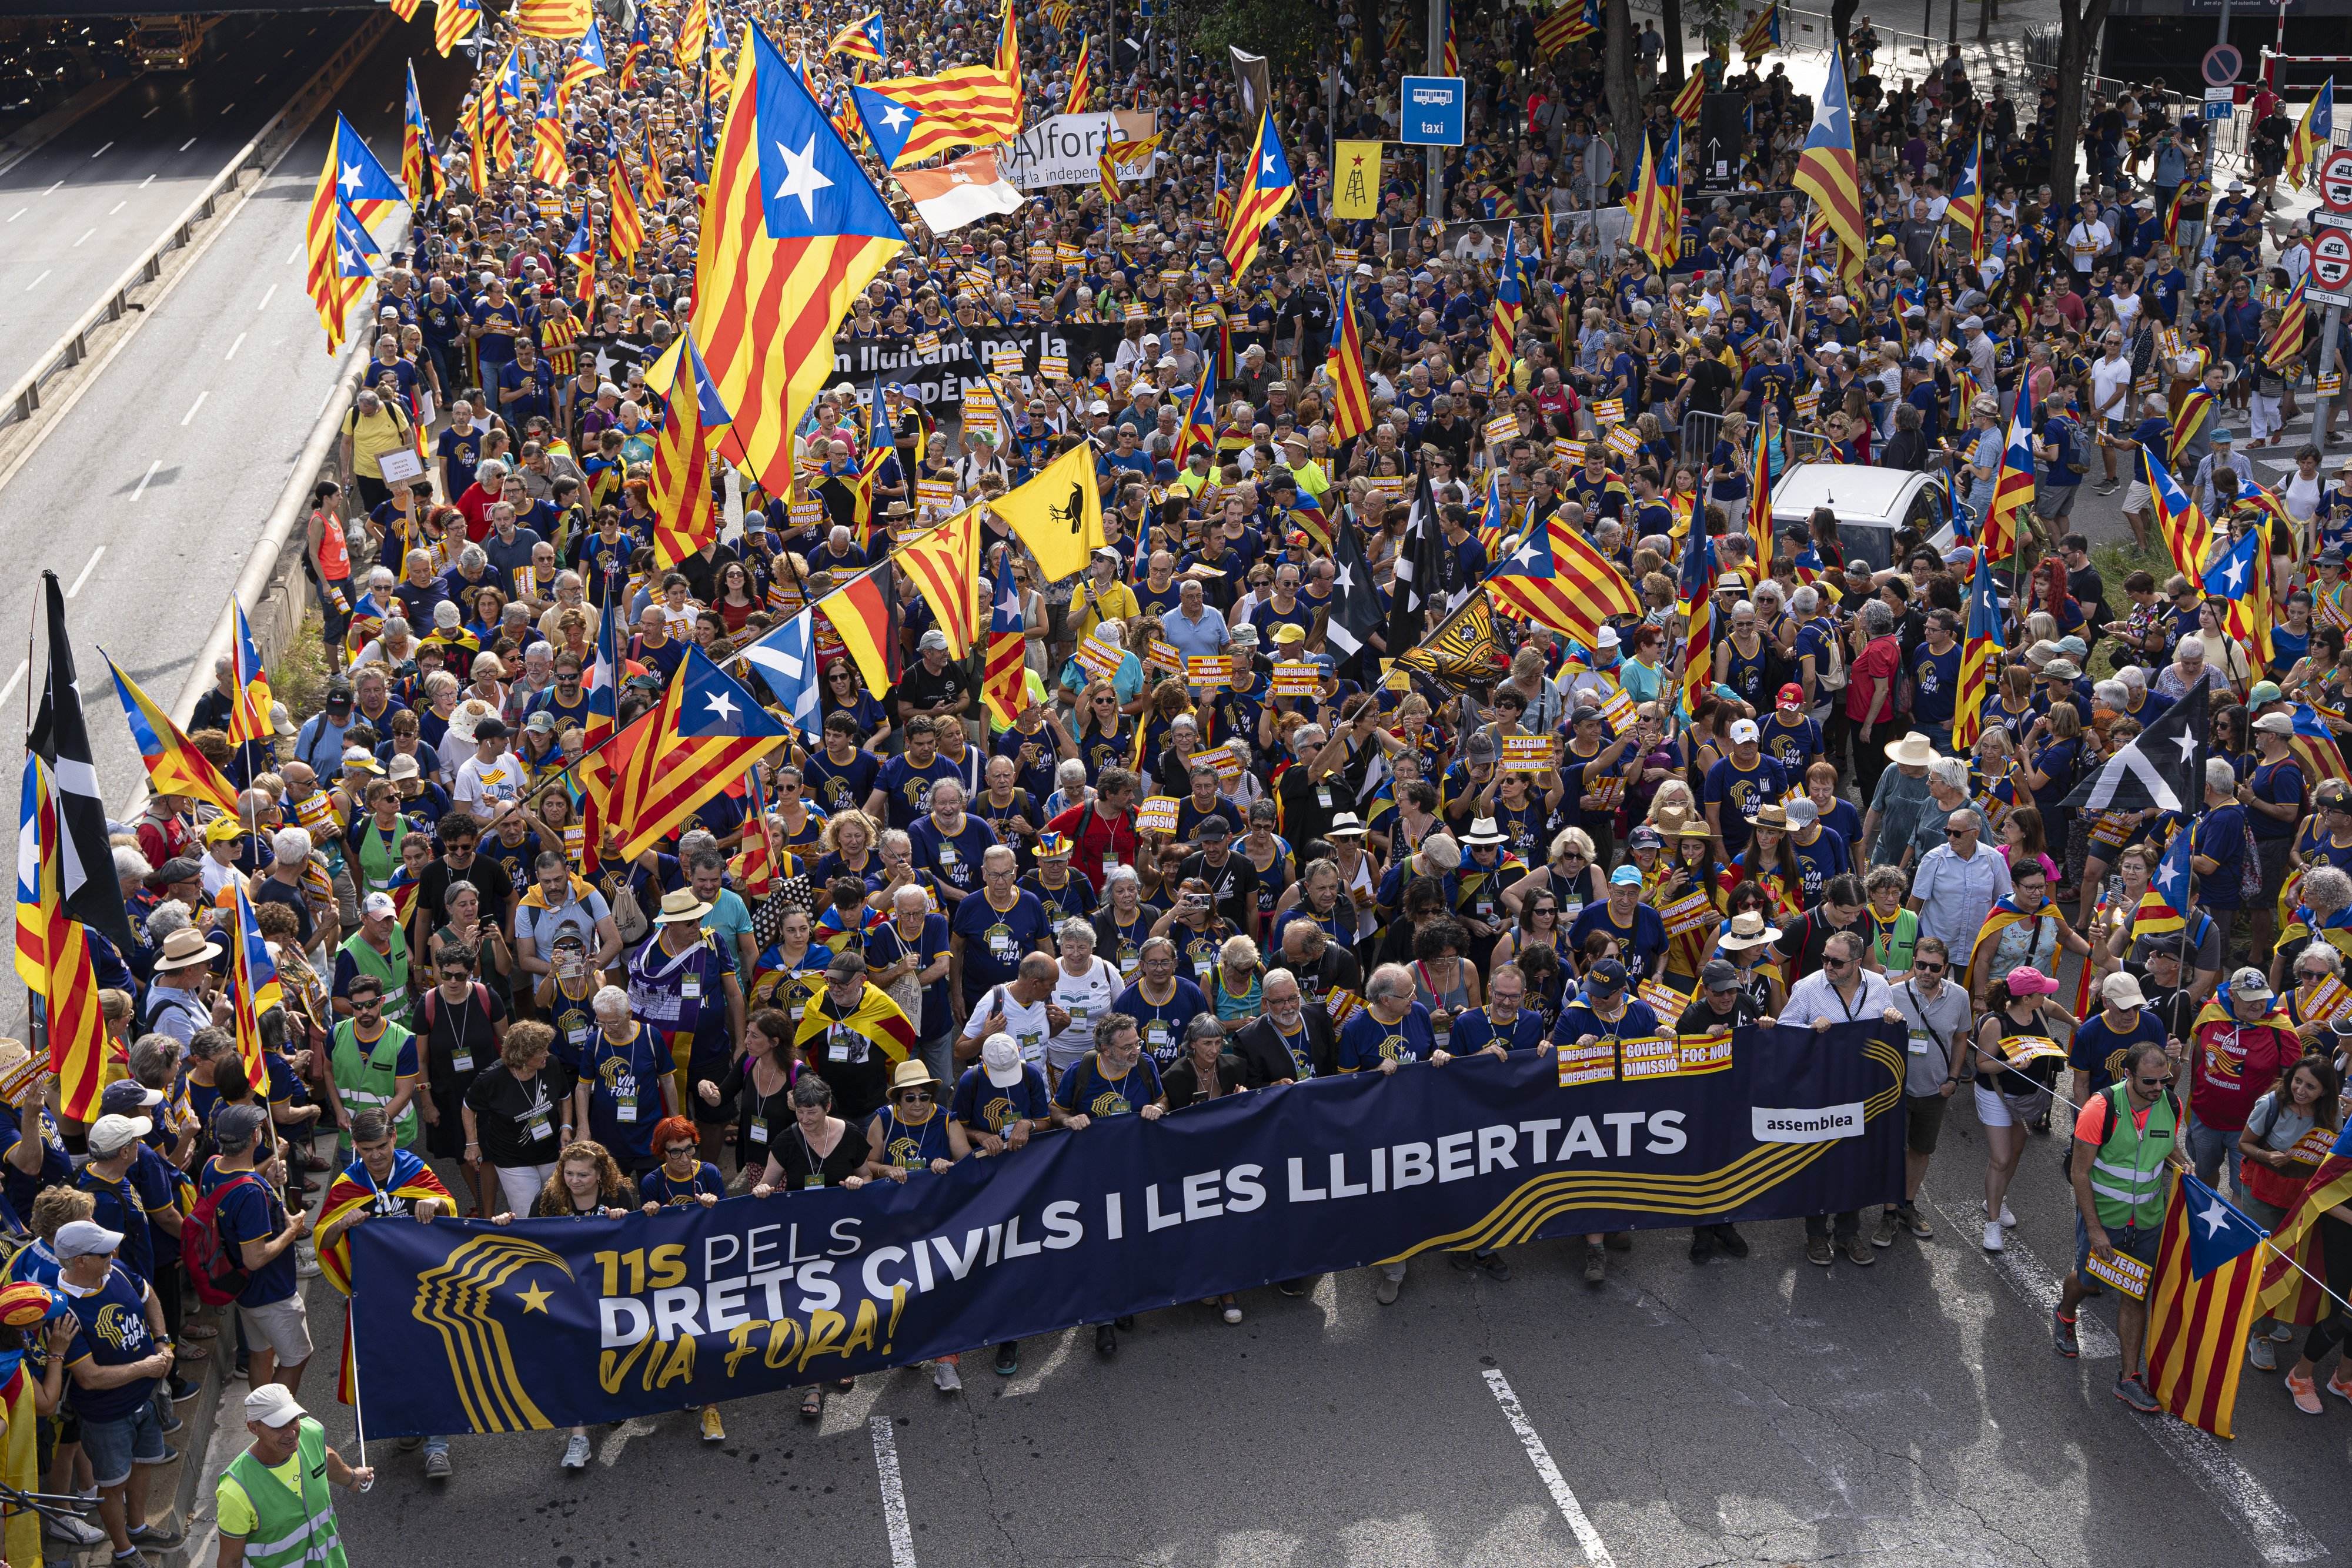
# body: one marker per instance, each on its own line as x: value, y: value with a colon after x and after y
x: 1558, y: 580
x: 2283, y: 349
x: 1006, y: 686
x: 1351, y: 387
x: 548, y: 163
x: 1688, y: 97
x: 944, y: 561
x: 551, y: 19
x: 685, y: 517
x: 693, y: 34
x: 1825, y: 169
x: 1265, y: 188
x: 59, y: 972
x: 2201, y: 1300
x: 452, y: 20
x: 1081, y: 73
x: 624, y: 230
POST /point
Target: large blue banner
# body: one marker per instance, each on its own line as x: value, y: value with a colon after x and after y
x: 464, y: 1325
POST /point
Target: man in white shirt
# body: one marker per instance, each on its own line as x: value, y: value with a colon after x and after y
x: 1935, y: 1016
x: 1023, y: 1008
x: 1956, y: 881
x: 2110, y: 379
x: 1839, y: 992
x: 491, y: 778
x: 2088, y: 239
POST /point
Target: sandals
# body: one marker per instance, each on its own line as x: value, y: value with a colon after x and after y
x: 813, y: 1401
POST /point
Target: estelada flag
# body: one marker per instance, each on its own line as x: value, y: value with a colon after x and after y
x: 174, y: 767
x: 707, y: 731
x: 944, y: 561
x: 2298, y: 1237
x: 2200, y: 1304
x: 876, y: 1017
x: 1058, y: 514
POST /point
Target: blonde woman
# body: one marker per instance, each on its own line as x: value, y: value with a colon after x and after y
x: 850, y: 848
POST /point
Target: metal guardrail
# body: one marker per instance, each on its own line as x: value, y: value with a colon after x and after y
x: 22, y: 400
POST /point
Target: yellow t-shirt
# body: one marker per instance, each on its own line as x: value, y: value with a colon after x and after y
x: 372, y: 437
x: 1117, y: 602
x: 235, y: 1511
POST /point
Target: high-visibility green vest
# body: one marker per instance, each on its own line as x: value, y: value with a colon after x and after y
x: 2127, y: 1185
x: 368, y: 1076
x: 291, y: 1531
x: 392, y: 968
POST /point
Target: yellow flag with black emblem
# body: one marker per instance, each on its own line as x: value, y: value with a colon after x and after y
x: 1356, y: 187
x: 1058, y: 514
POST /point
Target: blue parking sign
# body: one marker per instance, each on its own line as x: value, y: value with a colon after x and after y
x: 1433, y: 115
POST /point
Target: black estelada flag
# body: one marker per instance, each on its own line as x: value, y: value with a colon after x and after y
x: 60, y: 738
x: 2162, y: 767
x: 1355, y: 612
x: 1420, y: 570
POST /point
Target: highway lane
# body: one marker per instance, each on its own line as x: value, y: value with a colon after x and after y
x: 76, y: 212
x: 151, y: 493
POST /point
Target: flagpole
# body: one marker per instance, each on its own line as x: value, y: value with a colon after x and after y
x: 541, y: 788
x: 1804, y: 228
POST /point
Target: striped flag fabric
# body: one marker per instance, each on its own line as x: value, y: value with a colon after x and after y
x: 860, y: 40
x: 2315, y: 749
x: 1268, y: 189
x: 1558, y: 580
x: 1503, y: 335
x: 2296, y: 1239
x: 1688, y: 97
x: 876, y: 1017
x: 944, y: 562
x: 174, y: 767
x: 624, y: 229
x: 2283, y: 349
x: 2239, y: 579
x: 2012, y: 485
x: 1762, y: 34
x: 1494, y: 517
x: 685, y: 517
x: 1965, y: 211
x: 2312, y: 133
x: 1004, y: 686
x: 640, y: 45
x: 1008, y: 59
x: 693, y: 34
x: 1825, y: 169
x: 2164, y: 907
x: 1081, y: 77
x: 1452, y: 56
x: 792, y: 228
x: 354, y: 177
x: 582, y: 250
x: 1695, y: 588
x: 340, y: 273
x: 1759, y: 490
x: 2201, y: 1300
x: 966, y: 106
x: 453, y: 20
x: 548, y: 163
x: 864, y: 613
x: 406, y: 9
x: 62, y: 976
x: 1199, y: 420
x: 551, y: 19
x: 1565, y: 26
x: 1978, y: 655
x: 2187, y: 536
x: 248, y: 715
x: 256, y: 987
x: 707, y: 730
x: 587, y: 64
x: 420, y: 169
x: 1351, y: 385
x: 1653, y: 231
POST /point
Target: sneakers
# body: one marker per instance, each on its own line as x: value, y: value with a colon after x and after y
x: 73, y: 1528
x: 1107, y: 1337
x: 714, y: 1430
x: 305, y: 1265
x: 1915, y: 1222
x: 1702, y: 1245
x: 1889, y: 1227
x: 1596, y: 1265
x: 946, y: 1378
x: 2306, y: 1396
x: 1817, y: 1250
x: 1995, y: 1238
x: 576, y: 1452
x: 2340, y: 1384
x: 2262, y: 1355
x: 166, y: 1458
x: 1730, y: 1240
x: 2132, y: 1392
x: 1233, y: 1311
x: 1857, y: 1252
x: 436, y: 1465
x: 1008, y: 1358
x: 1385, y: 1292
x: 2006, y: 1217
x: 155, y: 1538
x: 2283, y: 1333
x: 2061, y: 1336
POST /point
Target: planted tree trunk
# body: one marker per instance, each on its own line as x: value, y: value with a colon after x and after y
x: 2079, y: 22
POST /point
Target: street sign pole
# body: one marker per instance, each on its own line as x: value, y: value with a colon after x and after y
x: 2330, y: 325
x: 1435, y: 205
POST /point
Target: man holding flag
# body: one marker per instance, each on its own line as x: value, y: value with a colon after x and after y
x: 2129, y: 1141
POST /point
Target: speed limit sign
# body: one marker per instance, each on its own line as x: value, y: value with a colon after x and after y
x: 2336, y: 180
x: 2331, y: 260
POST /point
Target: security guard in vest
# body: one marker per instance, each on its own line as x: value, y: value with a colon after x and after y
x: 2125, y: 1140
x: 272, y: 1500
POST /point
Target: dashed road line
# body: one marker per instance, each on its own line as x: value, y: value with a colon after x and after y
x: 191, y: 142
x: 197, y: 404
x: 91, y: 565
x: 1596, y: 1552
x: 233, y: 347
x: 267, y: 295
x: 101, y: 152
x: 894, y: 1494
x: 37, y: 282
x: 144, y: 478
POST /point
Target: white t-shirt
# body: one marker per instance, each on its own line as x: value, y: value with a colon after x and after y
x: 1086, y: 998
x: 481, y: 786
x: 2111, y: 387
x: 2084, y: 241
x: 1028, y: 1025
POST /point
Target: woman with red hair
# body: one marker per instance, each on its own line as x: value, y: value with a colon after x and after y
x: 2051, y: 593
x: 683, y: 1177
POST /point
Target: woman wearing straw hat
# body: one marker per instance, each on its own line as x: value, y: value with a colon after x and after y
x: 1749, y: 942
x: 683, y: 987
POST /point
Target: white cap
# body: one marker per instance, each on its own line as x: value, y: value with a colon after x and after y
x: 273, y: 1404
x: 1743, y: 731
x: 84, y: 1238
x: 109, y: 1135
x: 379, y: 907
x: 1000, y: 1059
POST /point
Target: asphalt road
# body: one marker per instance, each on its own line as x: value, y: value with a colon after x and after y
x: 1760, y: 1411
x: 80, y: 211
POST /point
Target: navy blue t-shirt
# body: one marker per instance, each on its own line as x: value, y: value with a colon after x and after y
x: 113, y: 1333
x: 252, y: 1213
x: 989, y: 1108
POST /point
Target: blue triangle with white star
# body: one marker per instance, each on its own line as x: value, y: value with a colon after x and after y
x: 2219, y: 1234
x: 889, y: 122
x: 810, y: 183
x: 713, y: 706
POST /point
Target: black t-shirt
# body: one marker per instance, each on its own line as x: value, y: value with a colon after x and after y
x: 1307, y: 807
x: 800, y: 1162
x: 458, y: 1036
x: 1233, y: 885
x: 492, y: 879
x: 920, y: 689
x: 522, y: 1124
x: 1710, y: 378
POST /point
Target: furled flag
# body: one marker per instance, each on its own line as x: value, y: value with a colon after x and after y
x: 1005, y: 685
x: 174, y: 767
x: 1503, y: 336
x: 2283, y: 349
x: 624, y: 229
x: 693, y: 34
x: 786, y: 662
x: 452, y: 21
x: 2179, y: 520
x: 1452, y: 58
x: 248, y: 717
x: 581, y: 248
x: 547, y: 164
x: 1687, y: 99
x: 720, y: 46
x: 256, y: 987
x: 1351, y: 386
x: 420, y: 168
x: 1081, y: 77
x: 944, y: 562
x: 1697, y: 591
x: 685, y: 520
x: 551, y: 19
x: 640, y: 45
x: 607, y: 670
x: 792, y: 229
x: 2312, y: 133
x: 1419, y: 572
x: 1198, y: 422
x: 1058, y: 514
x: 1652, y: 231
x: 2162, y: 767
x: 2315, y: 748
x: 864, y: 613
x: 2164, y: 907
x: 346, y: 274
x: 1965, y: 211
x: 1261, y: 196
x: 60, y: 738
x: 962, y: 193
x: 1762, y: 34
x: 1008, y: 57
x: 706, y: 731
x: 1556, y: 579
x: 2013, y: 485
x: 2201, y: 1302
x: 53, y: 948
x: 1979, y: 657
x: 860, y: 40
x: 1825, y: 169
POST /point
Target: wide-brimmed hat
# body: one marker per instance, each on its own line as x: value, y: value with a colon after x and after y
x: 1483, y: 831
x: 1772, y: 814
x: 468, y: 716
x: 184, y: 949
x: 912, y: 1074
x: 680, y: 906
x: 1748, y: 929
x: 1913, y: 750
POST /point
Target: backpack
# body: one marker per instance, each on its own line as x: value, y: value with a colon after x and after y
x: 218, y: 1272
x: 481, y: 998
x: 1832, y: 679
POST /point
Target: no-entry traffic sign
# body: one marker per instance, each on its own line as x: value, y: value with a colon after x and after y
x: 2222, y: 65
x: 2331, y: 260
x: 2336, y: 180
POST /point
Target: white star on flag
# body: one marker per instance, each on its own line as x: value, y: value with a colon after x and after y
x: 1009, y: 604
x: 2233, y: 573
x: 1272, y: 164
x: 351, y: 177
x: 803, y: 178
x: 1526, y: 553
x: 896, y: 116
x: 2188, y: 744
x: 2214, y: 1216
x: 723, y: 705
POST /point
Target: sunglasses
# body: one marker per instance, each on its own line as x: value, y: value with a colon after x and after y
x: 913, y: 1097
x: 1927, y: 969
x: 1829, y: 963
x: 1957, y: 832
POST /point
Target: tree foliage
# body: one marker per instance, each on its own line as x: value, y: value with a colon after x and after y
x: 1291, y: 34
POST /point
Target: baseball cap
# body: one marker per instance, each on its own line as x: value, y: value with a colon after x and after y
x: 1743, y: 731
x: 379, y: 907
x: 2122, y: 990
x: 1608, y: 974
x: 2249, y: 982
x: 2025, y: 982
x: 933, y: 638
x: 2274, y: 723
x: 84, y: 1238
x: 1719, y: 975
x: 1214, y: 827
x: 1792, y: 695
x: 1625, y: 876
x: 112, y: 1134
x: 273, y: 1404
x: 1000, y: 1059
x: 125, y: 1097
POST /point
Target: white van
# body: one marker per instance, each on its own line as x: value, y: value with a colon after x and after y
x: 1871, y: 504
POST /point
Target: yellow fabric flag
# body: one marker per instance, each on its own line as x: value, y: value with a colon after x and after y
x: 1356, y: 194
x: 1058, y: 514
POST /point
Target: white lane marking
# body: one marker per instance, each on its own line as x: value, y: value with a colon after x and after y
x: 117, y: 206
x: 2032, y: 1280
x: 295, y: 255
x: 36, y: 283
x: 191, y: 142
x: 267, y: 295
x: 287, y: 56
x: 2275, y: 1533
x: 152, y: 113
x: 101, y: 152
x: 894, y: 1494
x: 1596, y: 1554
x: 226, y: 107
x: 233, y: 347
x: 9, y: 690
x: 93, y: 564
x: 635, y: 1426
x: 85, y: 236
x: 197, y: 404
x: 151, y: 467
x: 53, y: 189
x: 147, y: 182
x: 19, y: 212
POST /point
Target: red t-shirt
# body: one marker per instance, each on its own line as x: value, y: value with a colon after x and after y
x: 1091, y: 834
x: 1881, y: 659
x: 2233, y: 1064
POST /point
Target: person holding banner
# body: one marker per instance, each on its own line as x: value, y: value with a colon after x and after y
x: 1604, y: 1015
x: 1842, y: 990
